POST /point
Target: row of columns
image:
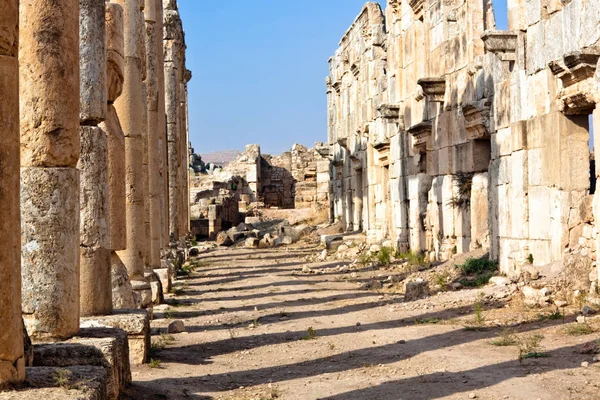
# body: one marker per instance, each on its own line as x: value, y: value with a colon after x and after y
x: 84, y: 117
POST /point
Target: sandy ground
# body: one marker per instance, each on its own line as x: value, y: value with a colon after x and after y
x: 259, y: 328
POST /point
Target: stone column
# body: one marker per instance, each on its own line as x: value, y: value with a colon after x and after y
x: 94, y: 251
x: 12, y: 363
x: 173, y: 48
x: 153, y: 37
x: 162, y: 129
x: 122, y: 293
x: 49, y: 104
x: 130, y: 109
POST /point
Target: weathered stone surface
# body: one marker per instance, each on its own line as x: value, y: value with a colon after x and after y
x: 9, y: 29
x: 50, y: 256
x: 115, y: 61
x: 116, y: 179
x: 49, y: 90
x: 94, y: 223
x: 92, y: 61
x: 80, y: 383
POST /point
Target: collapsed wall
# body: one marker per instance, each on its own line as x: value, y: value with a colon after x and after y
x: 447, y: 135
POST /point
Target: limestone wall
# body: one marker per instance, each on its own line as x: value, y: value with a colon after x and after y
x: 447, y: 135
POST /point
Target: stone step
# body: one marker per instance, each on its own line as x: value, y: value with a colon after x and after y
x: 136, y: 323
x: 58, y: 383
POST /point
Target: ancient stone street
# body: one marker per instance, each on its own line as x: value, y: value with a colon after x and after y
x: 257, y: 327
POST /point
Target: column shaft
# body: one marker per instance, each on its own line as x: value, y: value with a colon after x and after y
x: 12, y: 363
x: 49, y: 104
x: 96, y: 298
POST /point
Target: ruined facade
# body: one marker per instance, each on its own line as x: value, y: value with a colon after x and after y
x: 296, y: 179
x: 91, y: 210
x: 447, y: 135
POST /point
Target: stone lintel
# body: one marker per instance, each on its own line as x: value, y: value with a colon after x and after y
x: 421, y: 134
x: 502, y: 43
x: 477, y: 119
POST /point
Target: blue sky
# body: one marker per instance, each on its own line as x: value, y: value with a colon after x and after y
x: 259, y: 69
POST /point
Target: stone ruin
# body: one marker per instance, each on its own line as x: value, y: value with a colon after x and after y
x: 296, y: 179
x: 94, y: 122
x: 447, y: 135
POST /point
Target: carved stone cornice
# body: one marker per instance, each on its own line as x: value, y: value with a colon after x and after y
x: 421, y: 134
x: 502, y: 43
x: 417, y: 7
x: 477, y: 119
x: 576, y: 71
x: 576, y: 66
x: 343, y: 142
x: 434, y: 88
x: 389, y: 111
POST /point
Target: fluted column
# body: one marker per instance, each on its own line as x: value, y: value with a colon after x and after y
x: 49, y: 104
x: 12, y: 363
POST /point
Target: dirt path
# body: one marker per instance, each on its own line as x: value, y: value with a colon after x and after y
x: 258, y: 328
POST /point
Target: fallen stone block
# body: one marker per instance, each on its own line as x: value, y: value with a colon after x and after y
x: 500, y: 281
x: 223, y: 239
x: 416, y: 290
x: 252, y: 243
x: 535, y: 297
x: 136, y: 323
x: 327, y: 240
x: 56, y: 383
x: 176, y: 326
x: 166, y: 279
x: 155, y: 287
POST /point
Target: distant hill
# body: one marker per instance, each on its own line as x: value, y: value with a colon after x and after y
x: 221, y: 158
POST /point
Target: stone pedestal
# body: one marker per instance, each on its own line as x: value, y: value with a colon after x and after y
x: 12, y: 364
